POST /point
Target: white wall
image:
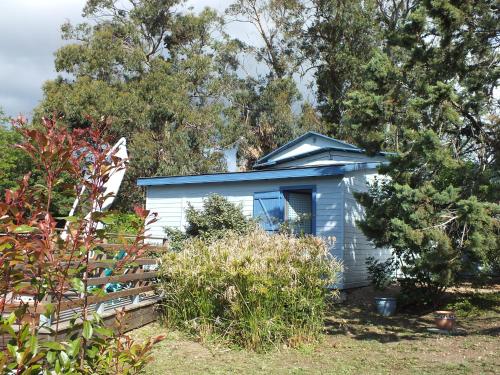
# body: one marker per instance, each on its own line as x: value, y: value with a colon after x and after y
x: 356, y: 246
x: 170, y: 202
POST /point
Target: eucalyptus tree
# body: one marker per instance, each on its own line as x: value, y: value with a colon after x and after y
x: 13, y: 163
x: 272, y: 108
x: 164, y: 77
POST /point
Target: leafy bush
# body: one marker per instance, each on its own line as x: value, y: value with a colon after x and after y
x: 14, y: 163
x: 475, y: 305
x: 37, y: 260
x: 123, y: 223
x: 463, y: 308
x: 176, y: 238
x: 95, y: 350
x: 254, y: 290
x: 217, y: 216
x: 381, y: 273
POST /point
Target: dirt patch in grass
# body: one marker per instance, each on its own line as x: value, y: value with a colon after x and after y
x: 356, y: 341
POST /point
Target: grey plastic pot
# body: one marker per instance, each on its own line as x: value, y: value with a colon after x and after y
x: 386, y: 306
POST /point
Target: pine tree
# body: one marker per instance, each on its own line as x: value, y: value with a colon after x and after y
x: 433, y: 80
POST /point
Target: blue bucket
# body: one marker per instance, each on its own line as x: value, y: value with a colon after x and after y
x: 386, y: 306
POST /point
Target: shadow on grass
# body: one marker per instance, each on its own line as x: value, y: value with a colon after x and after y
x: 361, y: 322
x: 493, y: 331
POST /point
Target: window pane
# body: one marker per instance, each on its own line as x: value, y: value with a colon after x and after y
x: 299, y: 212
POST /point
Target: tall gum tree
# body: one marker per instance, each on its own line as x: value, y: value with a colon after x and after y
x: 164, y: 78
x: 272, y: 108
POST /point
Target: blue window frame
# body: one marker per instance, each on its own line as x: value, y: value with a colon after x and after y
x: 295, y: 205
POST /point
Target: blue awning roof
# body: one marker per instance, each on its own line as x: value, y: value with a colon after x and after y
x: 274, y: 174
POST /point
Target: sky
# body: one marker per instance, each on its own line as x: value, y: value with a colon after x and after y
x: 29, y: 36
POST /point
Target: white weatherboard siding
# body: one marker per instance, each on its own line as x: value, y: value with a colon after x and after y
x: 170, y: 202
x: 356, y: 246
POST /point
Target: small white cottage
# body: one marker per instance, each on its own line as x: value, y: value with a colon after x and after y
x: 308, y: 182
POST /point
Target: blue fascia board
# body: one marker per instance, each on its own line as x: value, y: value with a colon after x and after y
x: 299, y: 139
x: 275, y: 174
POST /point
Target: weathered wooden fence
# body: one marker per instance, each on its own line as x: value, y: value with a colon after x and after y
x: 132, y: 290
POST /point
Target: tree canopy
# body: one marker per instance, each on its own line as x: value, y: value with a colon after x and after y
x: 415, y: 77
x: 429, y: 93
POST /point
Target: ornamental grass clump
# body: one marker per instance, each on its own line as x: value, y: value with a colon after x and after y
x: 254, y: 290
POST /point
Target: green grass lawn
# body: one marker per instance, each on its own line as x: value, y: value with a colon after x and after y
x: 356, y: 341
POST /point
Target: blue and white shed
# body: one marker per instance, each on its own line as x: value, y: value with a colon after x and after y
x: 308, y: 182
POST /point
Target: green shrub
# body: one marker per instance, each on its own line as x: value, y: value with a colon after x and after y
x: 217, y: 216
x: 91, y: 349
x: 476, y: 304
x: 123, y: 223
x: 253, y: 290
x: 176, y: 238
x: 381, y: 273
x: 36, y: 259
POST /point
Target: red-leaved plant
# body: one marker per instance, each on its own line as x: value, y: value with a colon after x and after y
x: 37, y: 261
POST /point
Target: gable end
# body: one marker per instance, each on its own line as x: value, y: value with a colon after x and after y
x: 324, y: 143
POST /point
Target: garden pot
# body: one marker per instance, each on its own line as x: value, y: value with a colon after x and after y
x: 386, y: 306
x: 445, y: 320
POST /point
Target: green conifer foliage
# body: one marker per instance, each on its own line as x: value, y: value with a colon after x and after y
x: 429, y: 95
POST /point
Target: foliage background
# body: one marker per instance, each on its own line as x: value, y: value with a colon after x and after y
x: 416, y: 77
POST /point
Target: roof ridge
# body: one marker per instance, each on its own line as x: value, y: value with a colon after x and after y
x: 265, y: 158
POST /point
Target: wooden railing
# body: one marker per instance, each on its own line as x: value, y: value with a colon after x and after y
x: 132, y: 287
